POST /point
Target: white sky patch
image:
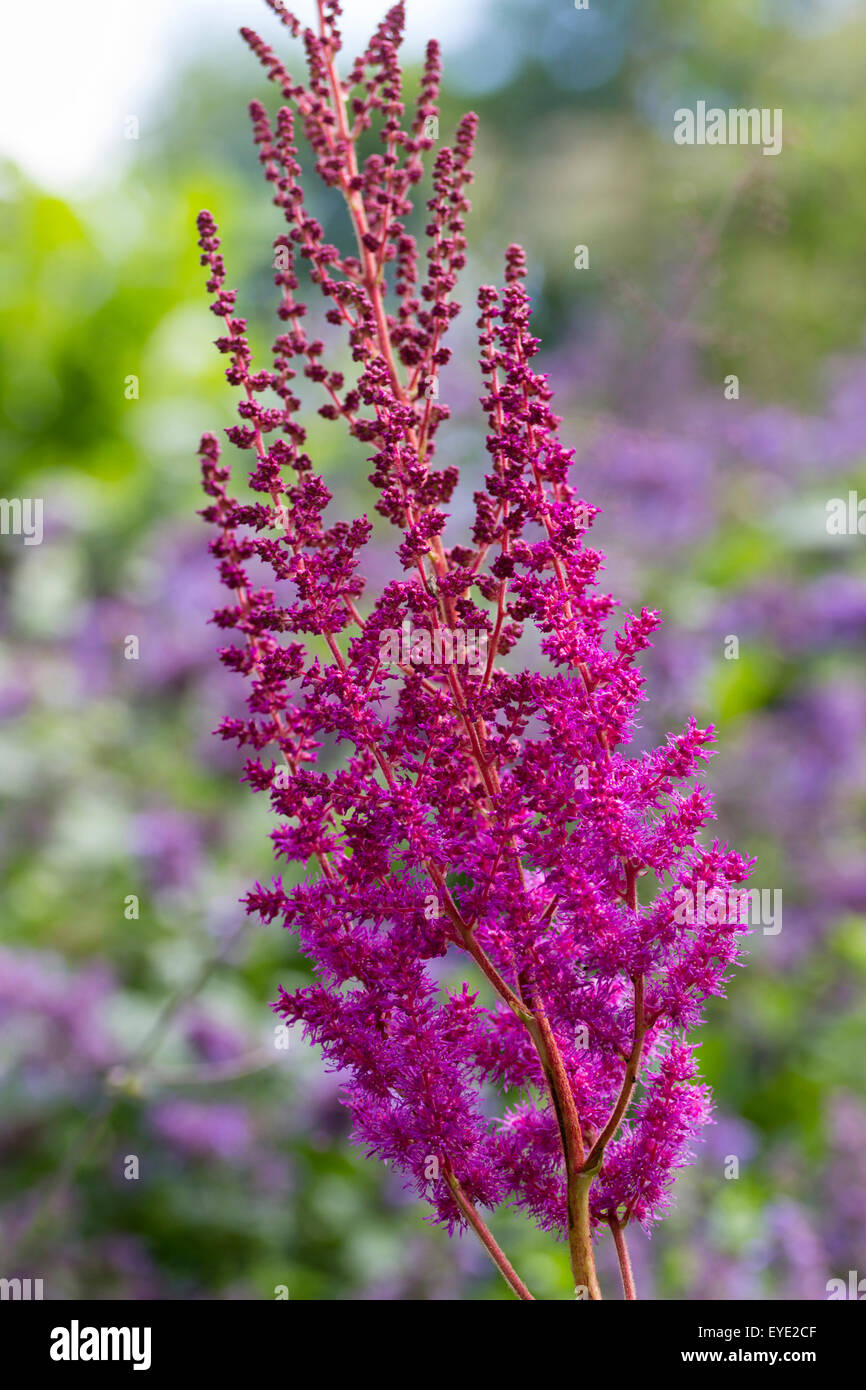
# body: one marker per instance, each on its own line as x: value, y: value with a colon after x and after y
x: 71, y: 71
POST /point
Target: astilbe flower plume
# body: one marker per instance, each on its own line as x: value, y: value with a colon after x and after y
x: 484, y: 814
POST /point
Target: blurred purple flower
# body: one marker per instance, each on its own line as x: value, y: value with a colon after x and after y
x: 202, y: 1129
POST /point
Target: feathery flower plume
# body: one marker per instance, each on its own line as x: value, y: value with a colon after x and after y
x: 481, y: 813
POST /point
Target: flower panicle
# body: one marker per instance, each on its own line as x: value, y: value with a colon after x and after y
x: 431, y: 807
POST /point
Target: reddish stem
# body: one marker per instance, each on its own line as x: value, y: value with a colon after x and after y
x: 497, y: 1255
x: 625, y: 1269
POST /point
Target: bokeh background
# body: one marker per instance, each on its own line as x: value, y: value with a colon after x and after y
x: 148, y: 1036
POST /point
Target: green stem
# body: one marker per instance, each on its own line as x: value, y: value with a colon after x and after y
x: 580, y: 1237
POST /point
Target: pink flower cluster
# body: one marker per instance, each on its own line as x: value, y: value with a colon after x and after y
x: 450, y: 821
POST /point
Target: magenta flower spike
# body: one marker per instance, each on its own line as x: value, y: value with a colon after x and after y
x: 448, y: 813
